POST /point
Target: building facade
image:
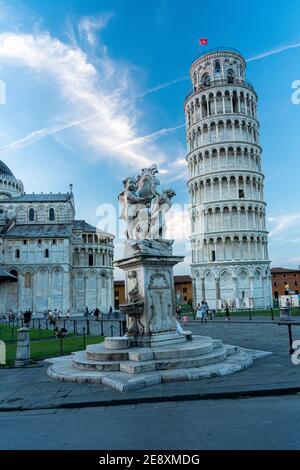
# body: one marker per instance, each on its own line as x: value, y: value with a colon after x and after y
x: 183, y: 289
x: 227, y: 208
x: 182, y: 284
x: 57, y: 262
x: 285, y: 281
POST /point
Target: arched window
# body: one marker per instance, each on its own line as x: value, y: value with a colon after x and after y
x: 28, y: 281
x: 230, y: 75
x: 13, y: 272
x: 51, y: 214
x: 205, y: 80
x: 17, y: 253
x: 217, y: 67
x: 31, y: 215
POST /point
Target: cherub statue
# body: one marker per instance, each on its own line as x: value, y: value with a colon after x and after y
x: 131, y: 205
x: 143, y: 207
x: 161, y: 206
x: 147, y: 183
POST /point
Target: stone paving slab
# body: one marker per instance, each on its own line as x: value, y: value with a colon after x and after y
x: 30, y: 388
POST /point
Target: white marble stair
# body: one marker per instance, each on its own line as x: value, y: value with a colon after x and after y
x: 62, y: 369
x: 135, y: 368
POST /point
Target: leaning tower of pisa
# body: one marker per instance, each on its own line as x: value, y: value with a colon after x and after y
x: 227, y: 208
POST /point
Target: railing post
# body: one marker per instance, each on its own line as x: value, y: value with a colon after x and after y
x: 250, y: 316
x: 290, y: 338
x: 88, y: 327
x: 120, y: 328
x: 111, y: 330
x: 61, y: 346
x: 74, y: 327
x: 84, y: 340
x: 101, y: 328
x: 272, y: 313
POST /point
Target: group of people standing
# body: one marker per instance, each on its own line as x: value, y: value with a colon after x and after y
x: 52, y: 316
x: 97, y: 313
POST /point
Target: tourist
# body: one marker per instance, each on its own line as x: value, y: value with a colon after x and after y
x: 27, y: 317
x: 68, y: 314
x: 109, y: 312
x: 86, y: 313
x: 51, y: 317
x: 202, y: 311
x: 96, y: 313
x: 227, y: 315
x: 59, y: 315
x: 60, y: 332
x: 185, y: 319
x: 198, y: 313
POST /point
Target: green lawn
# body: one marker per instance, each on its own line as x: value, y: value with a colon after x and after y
x: 7, y: 332
x: 48, y: 346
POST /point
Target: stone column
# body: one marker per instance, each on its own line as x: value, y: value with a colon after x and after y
x: 2, y: 353
x: 67, y: 293
x: 202, y: 288
x: 235, y: 290
x: 218, y: 291
x: 23, y: 348
x: 49, y: 289
x: 85, y: 292
x: 20, y: 290
x: 251, y: 280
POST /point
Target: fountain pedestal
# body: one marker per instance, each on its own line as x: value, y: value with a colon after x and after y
x: 149, y: 289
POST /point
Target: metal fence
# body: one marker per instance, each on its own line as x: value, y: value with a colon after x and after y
x: 247, y: 314
x: 44, y: 339
x: 102, y: 327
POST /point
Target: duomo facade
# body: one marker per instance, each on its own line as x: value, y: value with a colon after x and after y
x: 48, y: 259
x: 226, y: 185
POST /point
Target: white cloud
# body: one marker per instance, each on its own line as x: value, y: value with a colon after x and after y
x: 162, y: 86
x: 41, y: 133
x: 89, y: 26
x: 275, y: 51
x: 105, y: 90
x: 262, y: 55
x: 284, y: 224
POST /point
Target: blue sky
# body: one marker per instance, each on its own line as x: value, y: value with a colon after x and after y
x: 95, y: 91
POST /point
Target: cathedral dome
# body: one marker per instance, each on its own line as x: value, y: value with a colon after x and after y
x: 4, y: 170
x: 10, y: 186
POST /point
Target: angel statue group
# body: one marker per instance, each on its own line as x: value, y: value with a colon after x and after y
x: 143, y: 207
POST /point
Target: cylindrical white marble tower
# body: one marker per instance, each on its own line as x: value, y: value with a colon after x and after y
x: 227, y: 208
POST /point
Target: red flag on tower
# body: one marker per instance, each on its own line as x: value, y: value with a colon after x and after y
x: 203, y: 41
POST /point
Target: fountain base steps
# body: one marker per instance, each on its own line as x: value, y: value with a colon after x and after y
x: 138, y: 367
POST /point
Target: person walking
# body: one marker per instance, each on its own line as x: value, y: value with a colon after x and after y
x: 198, y: 312
x: 96, y: 313
x: 227, y: 314
x: 86, y: 313
x: 202, y: 311
x: 109, y: 312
